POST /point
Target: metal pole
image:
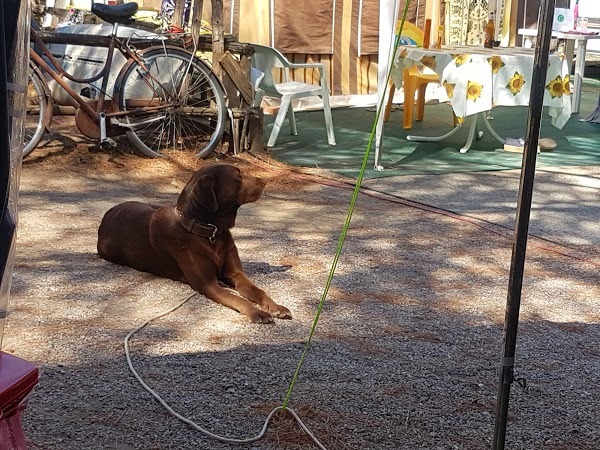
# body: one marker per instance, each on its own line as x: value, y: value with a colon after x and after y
x: 513, y: 302
x: 4, y: 127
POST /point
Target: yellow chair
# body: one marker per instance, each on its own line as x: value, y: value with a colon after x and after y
x: 414, y: 79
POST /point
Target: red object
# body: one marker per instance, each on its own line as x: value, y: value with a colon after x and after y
x: 427, y: 33
x: 17, y: 379
x: 175, y: 29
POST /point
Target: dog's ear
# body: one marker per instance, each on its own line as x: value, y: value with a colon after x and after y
x: 204, y: 192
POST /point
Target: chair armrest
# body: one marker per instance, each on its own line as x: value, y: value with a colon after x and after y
x: 306, y: 65
x: 319, y: 66
x: 290, y: 65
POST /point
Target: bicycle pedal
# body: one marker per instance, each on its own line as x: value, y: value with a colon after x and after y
x: 108, y: 143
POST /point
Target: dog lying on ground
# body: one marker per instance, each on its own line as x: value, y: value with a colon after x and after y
x: 191, y: 241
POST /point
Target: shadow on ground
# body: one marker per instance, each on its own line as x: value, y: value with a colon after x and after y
x: 405, y: 356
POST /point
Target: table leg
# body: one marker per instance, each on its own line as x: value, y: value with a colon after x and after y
x: 579, y: 70
x: 473, y: 132
x: 569, y: 52
x: 443, y: 137
x: 488, y: 125
x: 471, y: 135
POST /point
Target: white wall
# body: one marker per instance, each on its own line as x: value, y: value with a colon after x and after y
x: 590, y: 9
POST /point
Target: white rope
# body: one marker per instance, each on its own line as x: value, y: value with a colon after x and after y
x: 190, y: 422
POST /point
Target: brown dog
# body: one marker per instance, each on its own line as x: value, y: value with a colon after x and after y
x: 191, y: 241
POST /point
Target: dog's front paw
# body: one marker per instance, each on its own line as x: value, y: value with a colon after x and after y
x: 281, y: 312
x: 260, y: 316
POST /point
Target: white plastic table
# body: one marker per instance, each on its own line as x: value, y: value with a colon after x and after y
x: 570, y: 39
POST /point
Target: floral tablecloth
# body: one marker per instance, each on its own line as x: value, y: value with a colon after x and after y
x: 476, y: 78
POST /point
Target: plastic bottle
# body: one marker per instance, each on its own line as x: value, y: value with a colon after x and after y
x: 490, y: 32
x: 440, y: 37
x: 576, y: 14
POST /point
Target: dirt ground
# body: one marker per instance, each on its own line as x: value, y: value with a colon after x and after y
x: 405, y: 356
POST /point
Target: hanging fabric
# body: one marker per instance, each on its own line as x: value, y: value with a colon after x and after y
x: 167, y: 8
x: 465, y: 20
x: 308, y: 30
x: 477, y: 20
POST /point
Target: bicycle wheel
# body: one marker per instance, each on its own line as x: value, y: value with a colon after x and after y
x: 176, y: 104
x: 37, y: 107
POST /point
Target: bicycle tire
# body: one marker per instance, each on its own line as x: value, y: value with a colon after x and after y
x: 187, y: 103
x: 36, y: 111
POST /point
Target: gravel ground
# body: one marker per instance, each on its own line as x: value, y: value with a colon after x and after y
x: 405, y: 356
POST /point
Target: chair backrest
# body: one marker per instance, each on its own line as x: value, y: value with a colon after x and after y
x: 411, y: 34
x: 265, y: 59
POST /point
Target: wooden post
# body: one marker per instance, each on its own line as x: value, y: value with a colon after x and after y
x: 218, y: 49
x: 514, y: 12
x: 178, y: 13
x: 235, y: 78
x: 218, y: 43
x: 256, y: 136
x: 253, y: 132
x: 196, y: 22
x: 239, y: 76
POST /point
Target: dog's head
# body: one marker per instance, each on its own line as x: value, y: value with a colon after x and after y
x: 215, y: 192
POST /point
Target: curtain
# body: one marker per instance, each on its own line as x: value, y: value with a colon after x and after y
x: 303, y: 26
x: 466, y: 20
x: 369, y: 22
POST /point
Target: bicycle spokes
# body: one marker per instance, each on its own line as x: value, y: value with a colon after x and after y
x: 173, y: 102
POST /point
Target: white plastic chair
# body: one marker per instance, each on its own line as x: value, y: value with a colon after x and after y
x: 267, y: 58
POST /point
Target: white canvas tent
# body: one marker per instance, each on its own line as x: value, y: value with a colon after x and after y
x: 388, y: 17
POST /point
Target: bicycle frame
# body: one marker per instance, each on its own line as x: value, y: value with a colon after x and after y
x: 59, y: 72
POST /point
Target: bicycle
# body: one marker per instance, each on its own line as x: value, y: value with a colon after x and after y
x: 164, y: 97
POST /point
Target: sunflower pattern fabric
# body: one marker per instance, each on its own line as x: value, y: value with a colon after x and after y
x: 477, y: 79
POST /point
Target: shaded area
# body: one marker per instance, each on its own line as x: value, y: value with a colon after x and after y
x: 578, y: 142
x: 405, y: 355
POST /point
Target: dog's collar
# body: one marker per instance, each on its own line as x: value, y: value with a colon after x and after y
x: 207, y: 230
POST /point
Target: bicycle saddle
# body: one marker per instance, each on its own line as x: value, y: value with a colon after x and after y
x: 115, y: 13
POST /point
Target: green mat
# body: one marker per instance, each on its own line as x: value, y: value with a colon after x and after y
x: 578, y: 142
